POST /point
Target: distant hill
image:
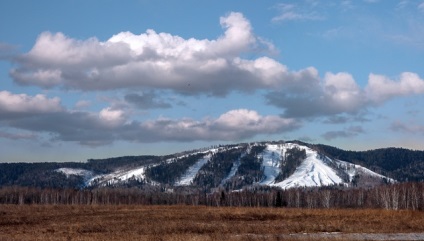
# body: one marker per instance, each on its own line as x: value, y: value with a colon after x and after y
x: 232, y: 167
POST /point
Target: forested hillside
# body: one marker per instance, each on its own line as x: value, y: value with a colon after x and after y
x: 398, y: 163
x: 232, y: 167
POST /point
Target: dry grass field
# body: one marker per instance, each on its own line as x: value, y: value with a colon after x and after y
x: 37, y: 222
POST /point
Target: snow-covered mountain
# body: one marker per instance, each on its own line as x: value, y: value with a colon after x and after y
x: 274, y: 164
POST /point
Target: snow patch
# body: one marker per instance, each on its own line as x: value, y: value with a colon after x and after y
x: 118, y: 176
x: 75, y: 171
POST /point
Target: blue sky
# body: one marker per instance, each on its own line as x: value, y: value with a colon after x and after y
x: 102, y: 78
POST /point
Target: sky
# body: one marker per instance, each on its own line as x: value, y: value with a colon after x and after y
x: 95, y: 79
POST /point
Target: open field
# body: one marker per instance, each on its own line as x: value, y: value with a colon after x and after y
x: 67, y: 222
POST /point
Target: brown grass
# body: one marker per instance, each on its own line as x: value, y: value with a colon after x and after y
x: 194, y: 223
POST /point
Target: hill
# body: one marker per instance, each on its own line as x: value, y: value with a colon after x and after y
x: 232, y: 167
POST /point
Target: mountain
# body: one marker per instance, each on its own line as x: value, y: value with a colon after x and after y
x: 233, y: 167
x: 274, y: 164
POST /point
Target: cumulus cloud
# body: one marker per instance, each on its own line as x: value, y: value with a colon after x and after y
x: 154, y: 60
x: 380, y: 88
x: 233, y: 125
x: 39, y: 114
x: 22, y: 104
x: 244, y: 123
x: 150, y: 62
x: 335, y: 94
x: 112, y: 117
x: 339, y: 94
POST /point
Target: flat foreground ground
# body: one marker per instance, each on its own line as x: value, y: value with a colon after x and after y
x: 36, y: 222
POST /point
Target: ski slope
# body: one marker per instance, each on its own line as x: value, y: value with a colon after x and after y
x: 311, y: 172
x: 117, y: 176
x: 314, y: 171
x: 192, y: 171
x: 271, y: 157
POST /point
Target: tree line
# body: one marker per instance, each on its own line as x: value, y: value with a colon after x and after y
x: 409, y: 196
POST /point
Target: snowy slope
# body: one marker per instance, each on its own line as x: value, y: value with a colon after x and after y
x: 315, y: 170
x: 271, y: 162
x: 311, y: 172
x: 353, y: 170
x: 117, y: 176
x: 191, y: 173
x: 122, y: 175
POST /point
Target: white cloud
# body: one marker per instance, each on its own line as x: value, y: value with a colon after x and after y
x: 340, y: 94
x: 243, y: 120
x: 21, y: 104
x: 342, y: 90
x: 154, y: 60
x: 380, y: 88
x: 112, y: 117
x: 192, y: 66
x: 233, y: 125
x: 112, y: 124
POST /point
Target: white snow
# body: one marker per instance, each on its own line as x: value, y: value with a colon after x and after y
x: 353, y: 169
x: 75, y: 171
x: 311, y: 172
x: 118, y: 176
x: 192, y: 171
x: 271, y: 162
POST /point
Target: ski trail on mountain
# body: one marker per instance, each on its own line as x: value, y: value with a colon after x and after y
x: 311, y: 172
x: 271, y: 161
x: 192, y: 171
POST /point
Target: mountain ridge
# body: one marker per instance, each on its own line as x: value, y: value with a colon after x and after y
x: 232, y: 167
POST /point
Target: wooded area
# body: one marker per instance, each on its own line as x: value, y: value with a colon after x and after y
x: 408, y: 196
